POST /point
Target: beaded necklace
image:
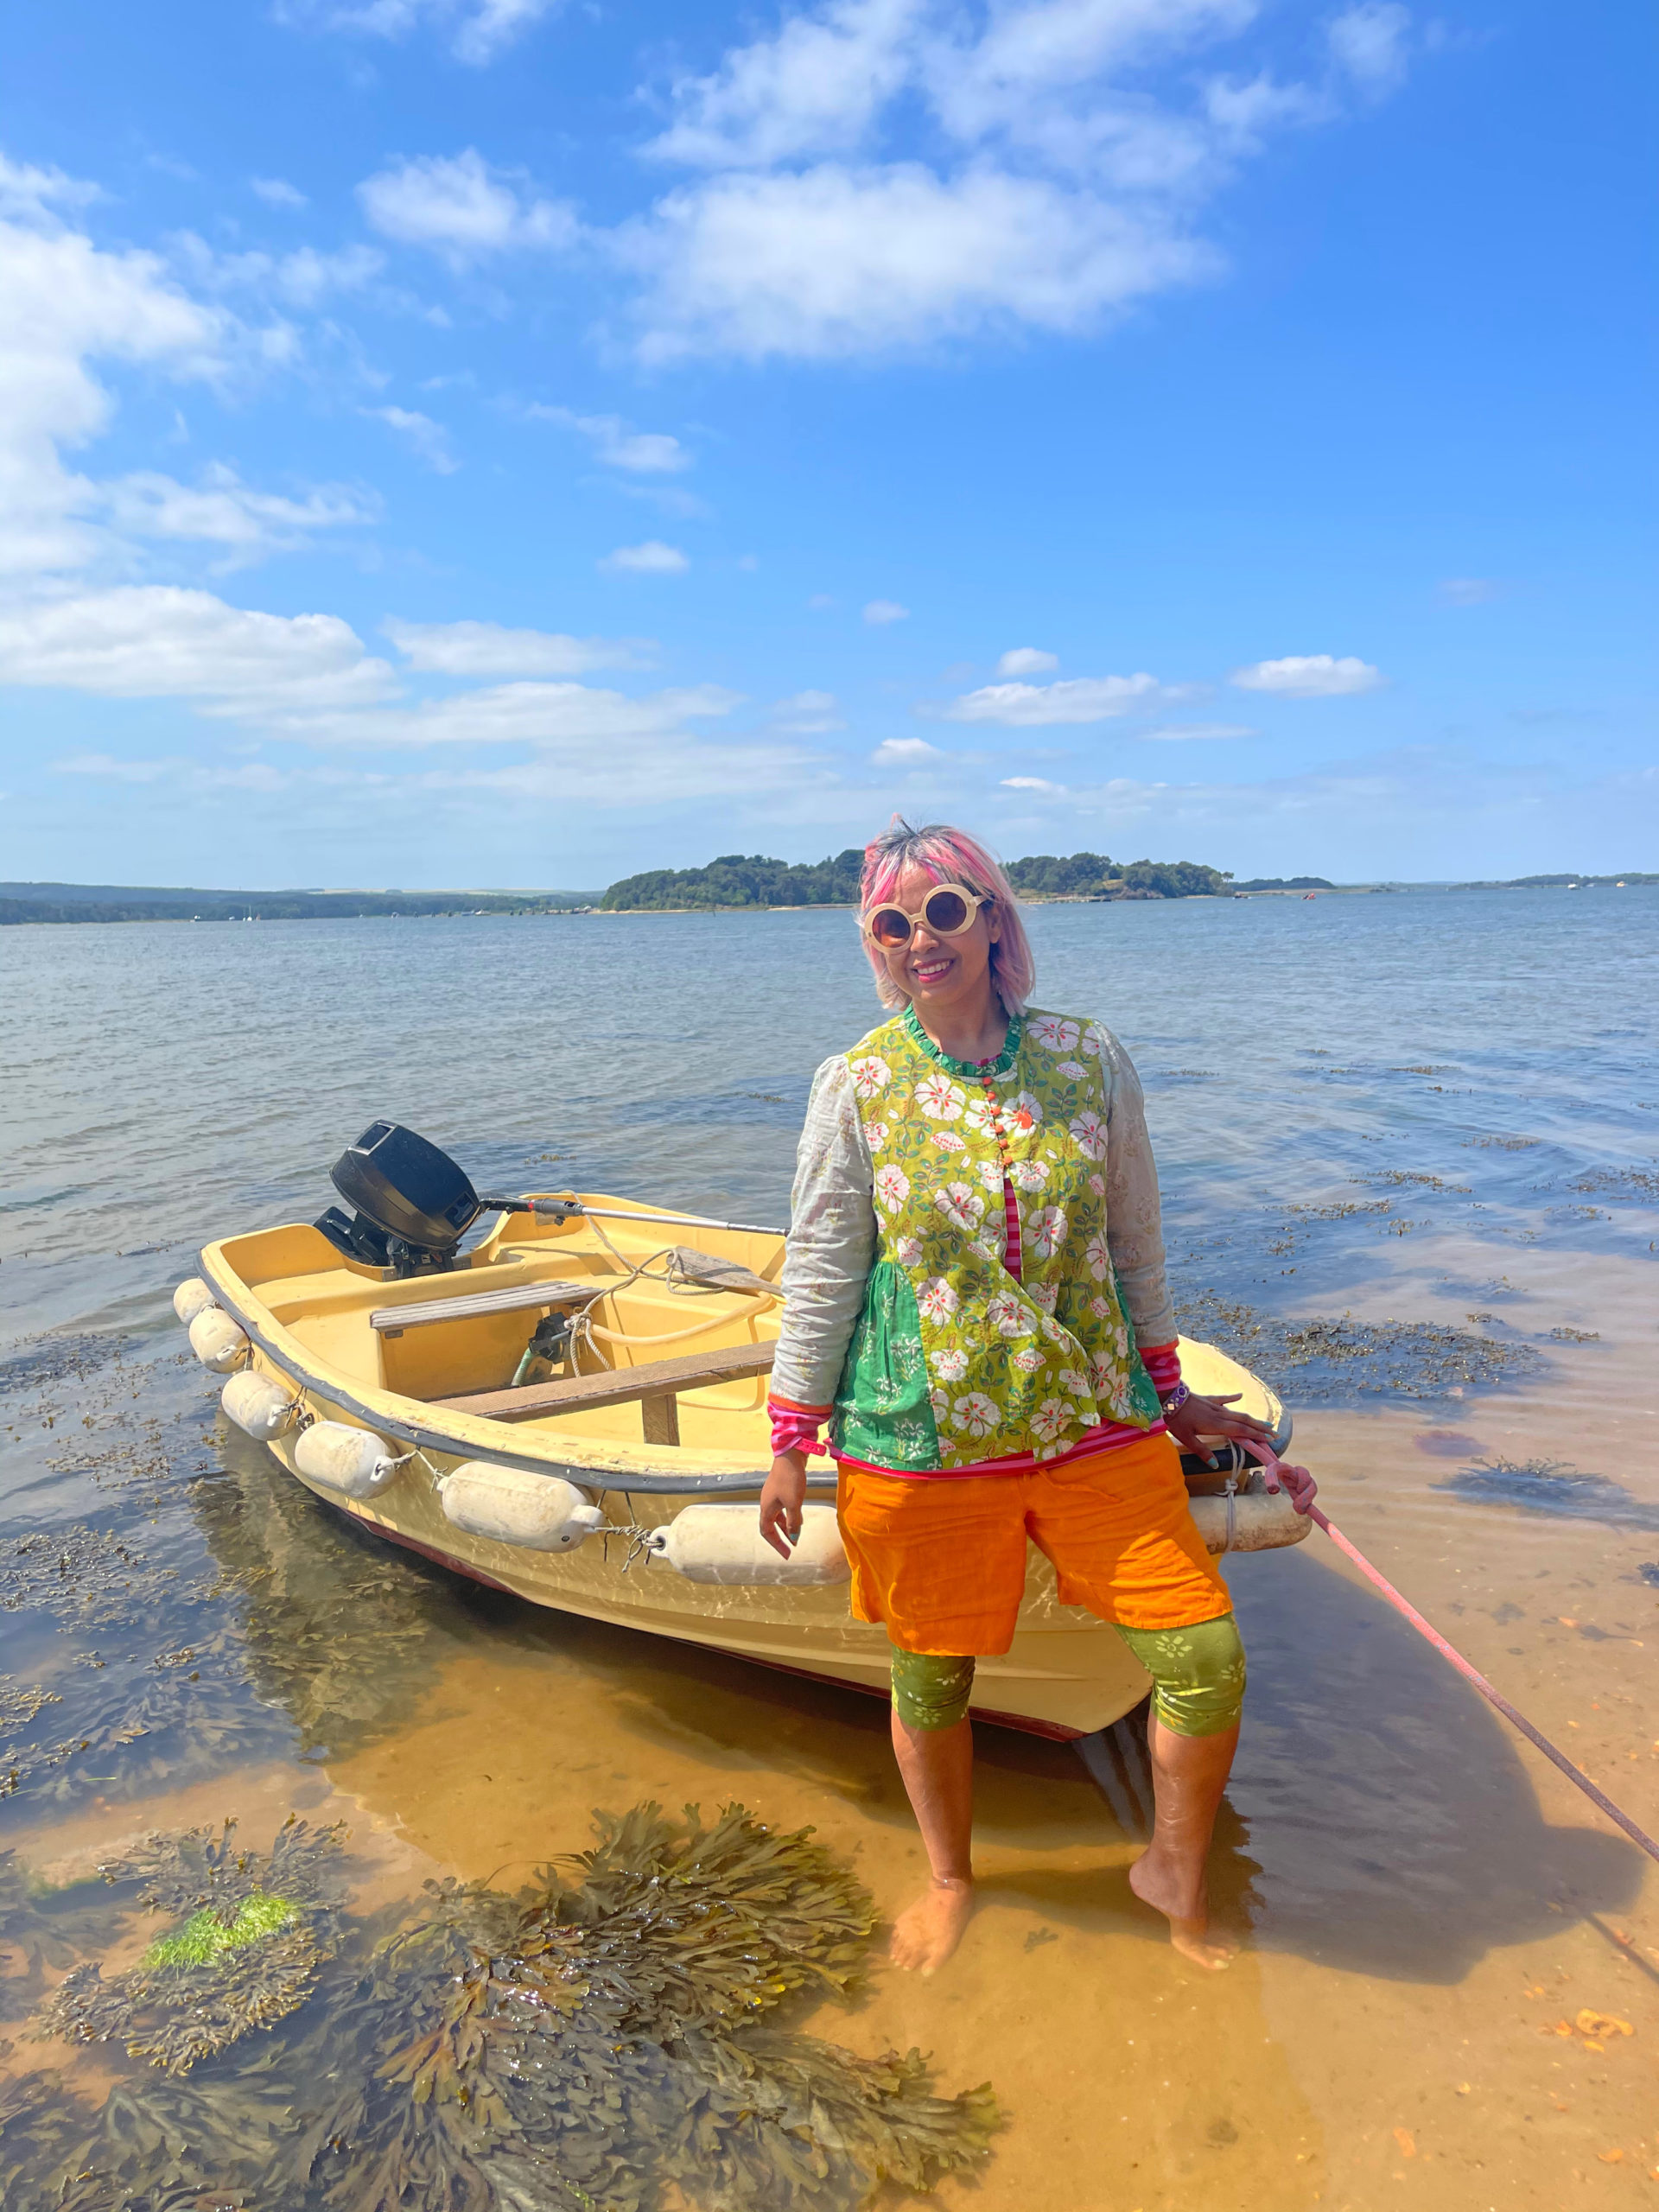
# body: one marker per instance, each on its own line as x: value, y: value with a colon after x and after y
x: 983, y: 1072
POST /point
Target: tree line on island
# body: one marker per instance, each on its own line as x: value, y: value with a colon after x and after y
x: 752, y: 880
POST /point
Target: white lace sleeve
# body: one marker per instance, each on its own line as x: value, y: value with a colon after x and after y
x: 831, y: 1242
x: 1135, y: 1232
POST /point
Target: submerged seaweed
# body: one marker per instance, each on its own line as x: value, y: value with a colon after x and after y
x: 607, y: 2040
x: 1553, y: 1486
x: 1336, y: 1359
x: 592, y: 2046
x: 259, y: 1927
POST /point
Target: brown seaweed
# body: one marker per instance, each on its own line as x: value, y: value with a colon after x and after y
x: 256, y: 1929
x: 609, y: 2039
x: 1340, y: 1358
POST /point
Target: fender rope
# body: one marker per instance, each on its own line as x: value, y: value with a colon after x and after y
x: 1493, y: 1697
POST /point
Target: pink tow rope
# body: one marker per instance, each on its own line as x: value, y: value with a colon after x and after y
x: 1597, y: 1797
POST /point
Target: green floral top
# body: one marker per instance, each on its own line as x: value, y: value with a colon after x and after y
x: 898, y: 1308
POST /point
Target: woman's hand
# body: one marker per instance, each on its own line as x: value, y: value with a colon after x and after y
x: 1197, y: 1418
x: 781, y: 1502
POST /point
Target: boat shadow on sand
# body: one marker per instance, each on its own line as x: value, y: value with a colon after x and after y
x: 1381, y: 1818
x: 1380, y: 1821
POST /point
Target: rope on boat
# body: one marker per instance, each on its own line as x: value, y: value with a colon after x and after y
x: 1493, y: 1697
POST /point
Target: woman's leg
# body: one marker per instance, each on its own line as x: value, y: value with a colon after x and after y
x: 933, y: 1742
x: 1199, y: 1691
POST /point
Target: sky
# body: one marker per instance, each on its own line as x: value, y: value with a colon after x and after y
x: 516, y: 443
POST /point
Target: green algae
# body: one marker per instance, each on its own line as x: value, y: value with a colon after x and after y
x: 205, y: 1937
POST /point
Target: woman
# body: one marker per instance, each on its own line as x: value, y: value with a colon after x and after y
x: 975, y: 1299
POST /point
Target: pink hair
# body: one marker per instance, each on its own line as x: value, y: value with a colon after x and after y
x: 945, y: 854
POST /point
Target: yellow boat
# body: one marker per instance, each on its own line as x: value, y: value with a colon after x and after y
x: 622, y: 1487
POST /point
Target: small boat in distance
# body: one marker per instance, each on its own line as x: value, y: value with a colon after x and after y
x: 575, y: 1411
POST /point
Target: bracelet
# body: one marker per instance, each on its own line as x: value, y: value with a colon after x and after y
x: 1177, y: 1398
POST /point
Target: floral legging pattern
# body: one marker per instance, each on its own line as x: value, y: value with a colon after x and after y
x: 1197, y: 1679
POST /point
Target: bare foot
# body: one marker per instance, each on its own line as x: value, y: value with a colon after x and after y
x: 925, y: 1933
x: 1189, y: 1930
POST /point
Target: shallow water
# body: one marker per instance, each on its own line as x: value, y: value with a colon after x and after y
x: 1410, y: 1147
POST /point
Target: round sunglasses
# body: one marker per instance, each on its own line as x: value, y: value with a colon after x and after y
x: 948, y: 910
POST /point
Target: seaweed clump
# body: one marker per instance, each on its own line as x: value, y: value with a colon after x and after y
x: 1553, y: 1486
x: 257, y: 1929
x: 608, y: 2039
x: 1335, y: 1359
x: 601, y: 2044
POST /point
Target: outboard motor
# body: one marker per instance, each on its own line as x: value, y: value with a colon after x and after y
x: 413, y: 1204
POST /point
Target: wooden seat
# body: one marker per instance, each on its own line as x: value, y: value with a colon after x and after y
x: 472, y: 1305
x: 657, y: 1384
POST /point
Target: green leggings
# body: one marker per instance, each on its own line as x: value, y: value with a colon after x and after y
x: 1197, y: 1679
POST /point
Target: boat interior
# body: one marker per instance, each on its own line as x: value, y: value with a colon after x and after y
x: 660, y: 1331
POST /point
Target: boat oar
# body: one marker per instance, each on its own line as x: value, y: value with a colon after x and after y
x: 1493, y: 1697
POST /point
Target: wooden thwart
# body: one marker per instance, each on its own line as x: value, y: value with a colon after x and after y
x: 656, y: 1383
x: 472, y: 1305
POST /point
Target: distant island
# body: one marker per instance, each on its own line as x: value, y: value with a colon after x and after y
x: 739, y: 879
x: 734, y: 882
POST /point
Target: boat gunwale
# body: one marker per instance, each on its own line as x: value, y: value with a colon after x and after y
x: 738, y: 1481
x: 427, y: 1436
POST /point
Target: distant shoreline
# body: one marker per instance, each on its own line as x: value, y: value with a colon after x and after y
x: 114, y: 911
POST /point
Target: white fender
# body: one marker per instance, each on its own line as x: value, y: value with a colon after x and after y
x: 217, y: 1341
x: 510, y: 1505
x: 723, y: 1543
x: 353, y: 1461
x: 260, y: 1408
x: 192, y: 1297
x: 1263, y: 1521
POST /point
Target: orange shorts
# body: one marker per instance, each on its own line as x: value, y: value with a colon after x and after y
x: 943, y: 1562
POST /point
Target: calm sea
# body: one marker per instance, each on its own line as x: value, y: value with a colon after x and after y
x: 1410, y: 1153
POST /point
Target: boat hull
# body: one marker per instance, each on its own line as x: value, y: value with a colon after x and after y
x: 306, y: 1316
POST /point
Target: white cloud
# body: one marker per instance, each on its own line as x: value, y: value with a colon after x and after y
x: 301, y: 280
x: 645, y: 452
x: 839, y: 261
x: 222, y: 510
x: 1369, y: 43
x: 814, y: 87
x: 157, y: 641
x: 487, y: 649
x: 478, y: 30
x: 1468, y: 591
x: 545, y: 715
x: 1030, y: 783
x: 1065, y: 187
x: 277, y: 192
x: 1176, y: 731
x: 461, y: 209
x: 821, y: 602
x: 881, y: 611
x: 653, y: 558
x: 428, y: 440
x: 1027, y: 660
x: 68, y: 304
x: 34, y: 194
x: 1078, y: 699
x: 906, y: 753
x: 1310, y: 675
x: 808, y: 713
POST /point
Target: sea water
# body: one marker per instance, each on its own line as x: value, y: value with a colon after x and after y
x: 1409, y: 1147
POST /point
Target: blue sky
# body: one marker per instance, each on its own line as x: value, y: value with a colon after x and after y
x: 497, y: 442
